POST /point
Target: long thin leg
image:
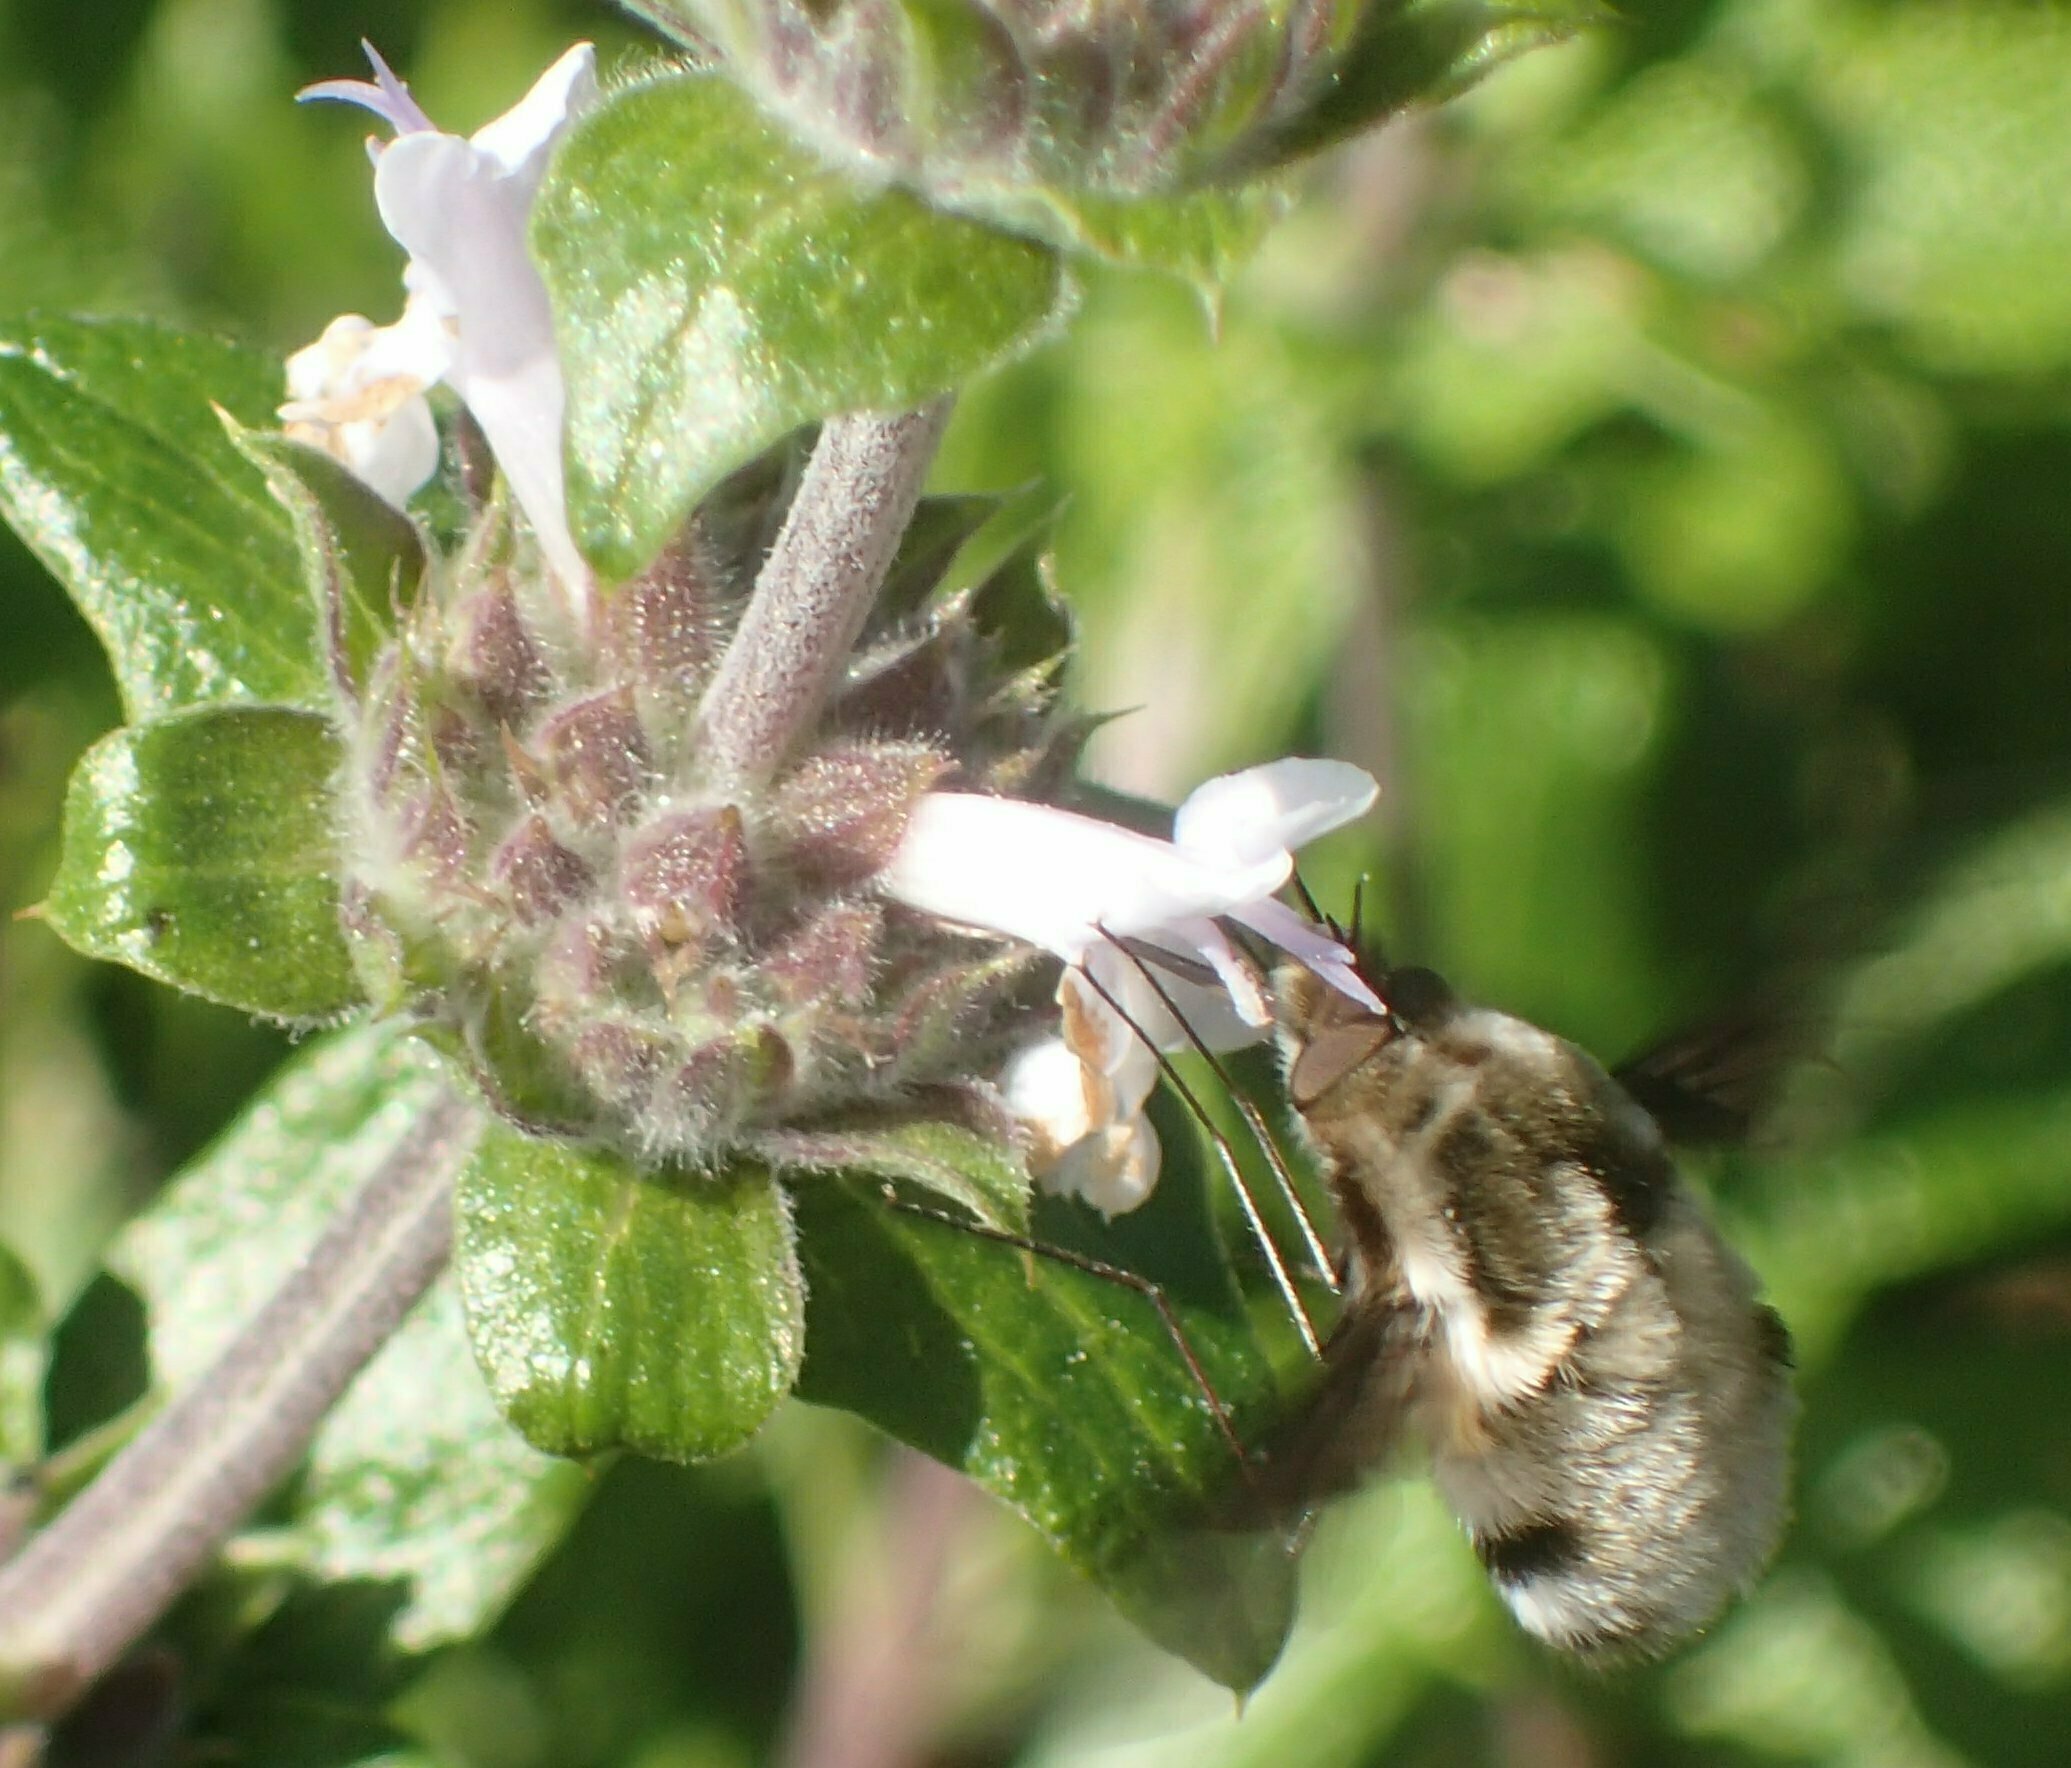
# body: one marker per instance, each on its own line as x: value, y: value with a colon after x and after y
x: 1094, y: 1267
x: 1321, y: 1263
x: 1283, y: 1279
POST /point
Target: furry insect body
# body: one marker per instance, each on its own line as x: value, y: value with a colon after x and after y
x: 1533, y: 1292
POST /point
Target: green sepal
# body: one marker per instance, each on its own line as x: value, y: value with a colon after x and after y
x: 116, y: 472
x: 198, y: 849
x: 1407, y: 52
x: 1201, y: 237
x: 362, y: 558
x: 610, y: 1307
x: 715, y: 286
x: 961, y: 1164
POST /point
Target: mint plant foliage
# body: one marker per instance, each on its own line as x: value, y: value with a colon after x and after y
x: 613, y: 1303
x: 431, y: 789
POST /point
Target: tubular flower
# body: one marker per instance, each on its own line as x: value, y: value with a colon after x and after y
x: 1092, y: 892
x: 476, y: 316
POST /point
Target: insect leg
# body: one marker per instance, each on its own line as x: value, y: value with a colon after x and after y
x: 1322, y: 1265
x: 1283, y: 1279
x: 1094, y: 1267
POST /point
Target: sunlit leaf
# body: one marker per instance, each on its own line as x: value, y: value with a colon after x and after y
x: 609, y: 1306
x: 1062, y: 1393
x: 115, y: 470
x: 715, y: 286
x: 199, y: 849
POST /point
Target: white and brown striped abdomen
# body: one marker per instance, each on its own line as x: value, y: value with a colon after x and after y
x: 1604, y: 1399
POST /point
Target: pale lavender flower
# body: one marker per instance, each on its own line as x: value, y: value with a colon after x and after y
x: 1078, y: 887
x: 476, y: 316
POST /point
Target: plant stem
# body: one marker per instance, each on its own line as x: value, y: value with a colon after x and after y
x: 870, y: 1690
x: 83, y: 1590
x: 816, y: 587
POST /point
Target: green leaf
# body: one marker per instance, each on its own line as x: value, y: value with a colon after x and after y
x: 199, y: 850
x: 24, y: 1352
x: 362, y: 558
x: 415, y: 1460
x: 716, y: 286
x: 116, y: 472
x: 1202, y: 237
x: 982, y: 1173
x: 1417, y: 51
x: 1062, y: 1393
x: 657, y: 1310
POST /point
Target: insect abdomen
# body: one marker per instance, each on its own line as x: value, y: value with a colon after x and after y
x: 1604, y: 1399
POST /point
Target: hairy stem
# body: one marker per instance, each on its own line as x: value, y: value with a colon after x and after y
x: 816, y: 587
x: 82, y: 1591
x: 870, y: 1690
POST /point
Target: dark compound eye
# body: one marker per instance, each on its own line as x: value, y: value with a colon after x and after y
x: 1420, y: 998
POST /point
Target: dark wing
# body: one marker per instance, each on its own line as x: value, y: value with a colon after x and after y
x: 1713, y: 1082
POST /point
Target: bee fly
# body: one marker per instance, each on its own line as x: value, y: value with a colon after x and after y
x: 1533, y: 1292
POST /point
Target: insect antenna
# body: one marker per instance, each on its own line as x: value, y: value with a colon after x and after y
x: 1283, y: 1278
x: 1322, y: 1266
x: 1093, y: 1267
x: 1315, y: 910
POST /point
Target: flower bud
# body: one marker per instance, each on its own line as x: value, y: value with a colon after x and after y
x: 542, y: 873
x: 979, y: 102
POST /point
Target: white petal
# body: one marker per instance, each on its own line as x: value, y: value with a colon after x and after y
x: 1243, y: 818
x: 385, y: 95
x: 463, y: 223
x: 1115, y: 1171
x: 393, y: 455
x: 357, y: 393
x: 1054, y: 878
x: 521, y: 140
x: 1044, y: 1085
x: 1312, y: 946
x: 1115, y: 1049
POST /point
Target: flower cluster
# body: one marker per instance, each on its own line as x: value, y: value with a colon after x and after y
x: 1030, y: 93
x: 543, y: 871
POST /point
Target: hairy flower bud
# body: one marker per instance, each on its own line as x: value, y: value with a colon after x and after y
x: 541, y: 873
x: 976, y: 99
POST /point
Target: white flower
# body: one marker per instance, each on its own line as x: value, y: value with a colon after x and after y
x: 1077, y: 886
x: 476, y: 316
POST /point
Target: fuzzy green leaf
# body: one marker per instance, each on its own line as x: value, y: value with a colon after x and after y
x: 198, y: 849
x: 716, y: 286
x: 116, y: 472
x: 1062, y: 1393
x: 362, y: 558
x: 983, y: 1174
x: 1417, y: 51
x: 655, y: 1310
x: 1202, y: 237
x: 415, y: 1460
x: 1119, y: 133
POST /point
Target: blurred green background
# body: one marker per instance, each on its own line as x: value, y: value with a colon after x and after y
x: 1656, y: 468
